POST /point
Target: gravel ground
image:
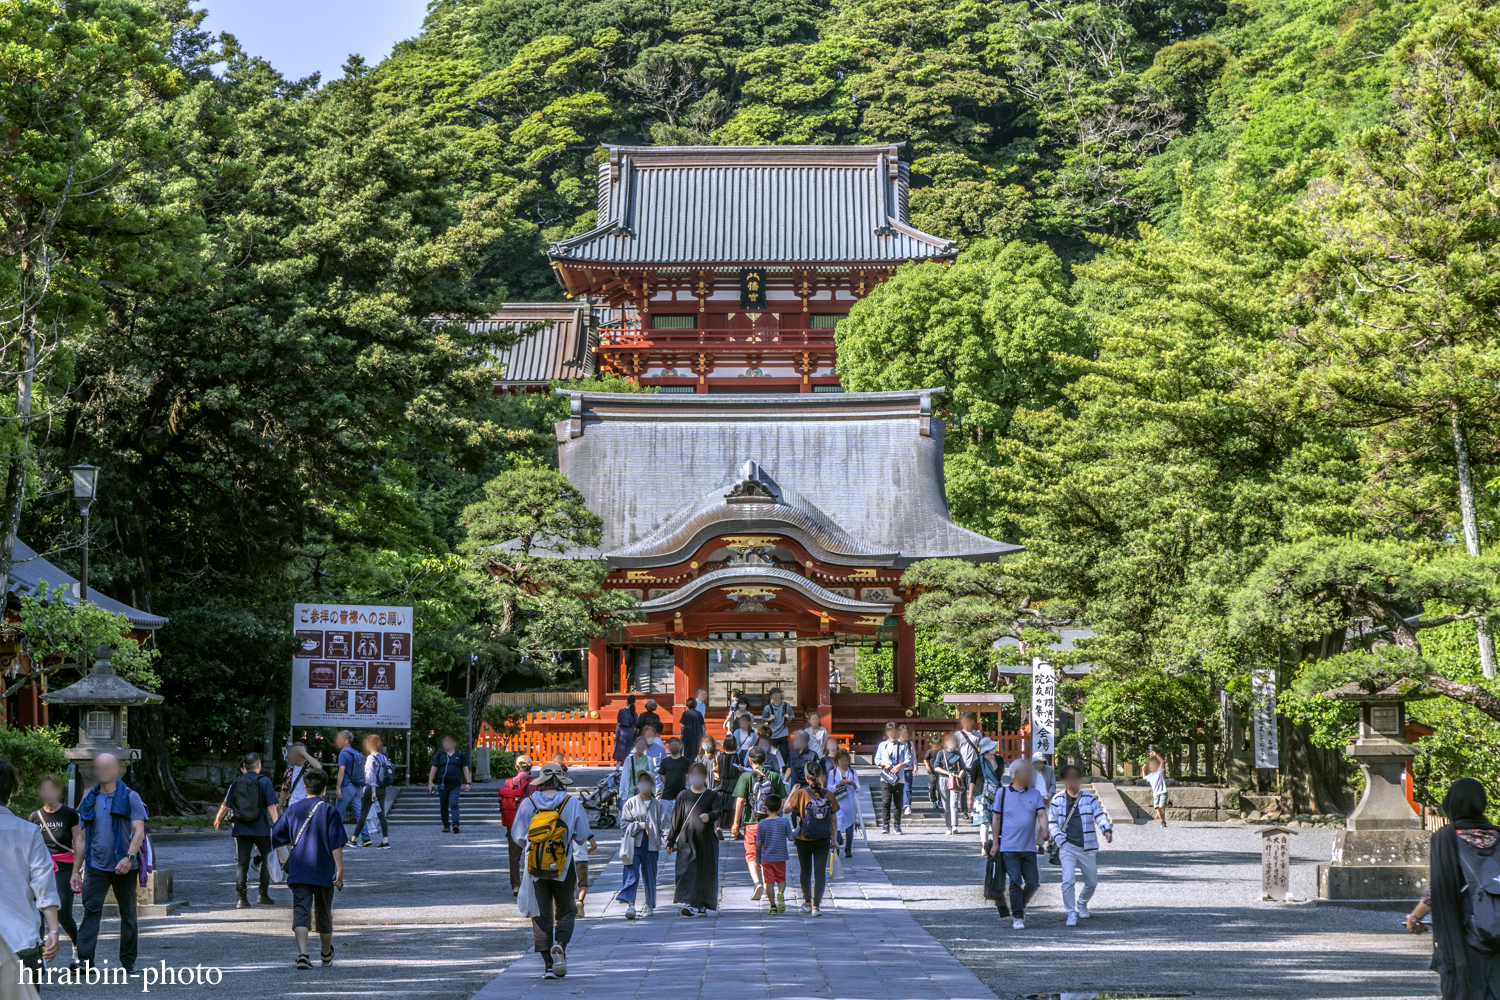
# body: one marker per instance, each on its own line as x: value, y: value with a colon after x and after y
x: 1177, y: 912
x: 433, y: 917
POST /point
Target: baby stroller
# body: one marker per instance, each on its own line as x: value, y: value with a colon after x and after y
x: 602, y: 802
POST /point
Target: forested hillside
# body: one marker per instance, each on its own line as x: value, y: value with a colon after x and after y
x: 1221, y: 344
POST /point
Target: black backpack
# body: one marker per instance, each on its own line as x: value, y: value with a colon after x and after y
x: 245, y: 798
x: 1482, y: 872
x: 817, y: 818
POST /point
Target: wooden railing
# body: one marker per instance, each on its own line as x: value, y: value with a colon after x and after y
x: 581, y: 740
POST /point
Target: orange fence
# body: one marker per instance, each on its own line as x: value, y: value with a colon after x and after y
x: 581, y: 740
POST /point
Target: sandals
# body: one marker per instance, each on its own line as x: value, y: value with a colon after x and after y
x: 303, y: 961
x: 327, y: 957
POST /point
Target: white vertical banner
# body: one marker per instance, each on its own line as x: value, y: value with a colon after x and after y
x: 1043, y: 707
x: 1263, y: 712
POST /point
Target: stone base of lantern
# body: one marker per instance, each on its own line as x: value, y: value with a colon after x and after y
x: 1376, y: 869
x: 154, y: 900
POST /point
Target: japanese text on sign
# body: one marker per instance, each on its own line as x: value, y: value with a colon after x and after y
x: 1043, y: 707
x: 1263, y: 708
x: 351, y: 649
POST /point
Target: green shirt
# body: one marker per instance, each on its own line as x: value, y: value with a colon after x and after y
x: 745, y: 789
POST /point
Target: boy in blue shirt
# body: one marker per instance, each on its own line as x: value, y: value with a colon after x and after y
x: 771, y: 835
x: 315, y: 833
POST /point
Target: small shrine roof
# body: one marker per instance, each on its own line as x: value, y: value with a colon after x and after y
x: 30, y: 571
x: 552, y: 340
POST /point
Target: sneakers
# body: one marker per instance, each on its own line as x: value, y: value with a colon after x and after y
x: 817, y: 912
x: 1083, y: 910
x: 385, y: 845
x: 758, y: 891
x: 1072, y: 920
x: 455, y: 827
x: 688, y: 911
x: 806, y: 908
x: 1017, y: 923
x: 645, y: 912
x: 898, y: 830
x: 906, y: 811
x: 367, y: 842
x: 559, y: 961
x: 886, y: 828
x: 549, y: 974
x: 630, y: 912
x: 447, y: 829
x: 1163, y: 822
x: 579, y: 904
x: 702, y: 911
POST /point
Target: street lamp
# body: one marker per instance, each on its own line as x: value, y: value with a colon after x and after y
x: 85, y: 482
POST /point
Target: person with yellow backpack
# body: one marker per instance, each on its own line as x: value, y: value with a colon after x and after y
x: 548, y: 824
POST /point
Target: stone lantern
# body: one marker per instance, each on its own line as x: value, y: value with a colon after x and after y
x: 1380, y: 857
x: 102, y: 698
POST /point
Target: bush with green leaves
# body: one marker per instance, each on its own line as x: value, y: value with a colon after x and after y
x: 33, y: 753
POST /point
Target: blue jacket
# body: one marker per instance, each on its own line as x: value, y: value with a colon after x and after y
x: 119, y: 820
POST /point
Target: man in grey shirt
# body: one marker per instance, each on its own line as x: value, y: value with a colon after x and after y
x: 776, y: 713
x: 968, y: 751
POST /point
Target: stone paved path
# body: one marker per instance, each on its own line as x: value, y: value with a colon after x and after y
x: 866, y: 946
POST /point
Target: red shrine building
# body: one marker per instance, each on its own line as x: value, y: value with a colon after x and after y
x: 755, y: 510
x: 726, y: 268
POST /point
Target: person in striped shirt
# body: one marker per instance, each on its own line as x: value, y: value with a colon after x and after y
x: 1075, y: 819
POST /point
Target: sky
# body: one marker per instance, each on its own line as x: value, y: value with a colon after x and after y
x: 300, y: 37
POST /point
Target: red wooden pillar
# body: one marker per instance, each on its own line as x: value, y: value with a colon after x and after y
x: 689, y: 673
x: 624, y: 671
x: 825, y: 701
x: 598, y: 657
x: 807, y: 676
x: 906, y: 664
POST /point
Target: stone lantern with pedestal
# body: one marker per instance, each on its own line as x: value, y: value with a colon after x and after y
x: 103, y: 699
x: 1380, y: 857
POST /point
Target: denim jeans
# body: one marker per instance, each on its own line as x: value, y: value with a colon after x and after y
x: 350, y: 802
x: 640, y: 871
x: 448, y: 802
x: 1020, y: 866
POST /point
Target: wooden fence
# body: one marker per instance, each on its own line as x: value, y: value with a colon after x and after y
x: 581, y: 740
x: 564, y: 700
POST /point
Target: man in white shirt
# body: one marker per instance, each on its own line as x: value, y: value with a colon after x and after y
x: 1156, y: 777
x: 893, y: 757
x: 26, y: 882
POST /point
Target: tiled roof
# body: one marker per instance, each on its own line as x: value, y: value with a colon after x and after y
x: 556, y: 341
x: 764, y: 205
x: 870, y: 463
x: 30, y: 570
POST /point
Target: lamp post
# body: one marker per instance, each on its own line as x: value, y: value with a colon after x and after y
x: 85, y: 482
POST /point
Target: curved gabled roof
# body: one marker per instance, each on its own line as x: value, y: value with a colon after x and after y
x: 763, y: 205
x: 792, y: 515
x: 739, y: 576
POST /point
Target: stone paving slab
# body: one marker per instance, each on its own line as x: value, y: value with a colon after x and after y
x: 866, y: 946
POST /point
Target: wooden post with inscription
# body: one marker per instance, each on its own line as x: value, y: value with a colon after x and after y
x: 1275, y: 863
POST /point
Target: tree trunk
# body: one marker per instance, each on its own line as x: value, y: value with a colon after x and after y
x: 15, y: 473
x: 151, y: 776
x: 1314, y: 775
x: 1469, y: 512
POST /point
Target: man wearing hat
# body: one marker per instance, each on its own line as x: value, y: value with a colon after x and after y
x: 983, y: 787
x: 1044, y: 780
x: 556, y: 903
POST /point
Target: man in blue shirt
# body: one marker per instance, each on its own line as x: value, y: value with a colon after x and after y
x: 893, y: 757
x: 351, y: 773
x: 114, y: 826
x: 315, y: 864
x: 253, y: 799
x: 1016, y: 821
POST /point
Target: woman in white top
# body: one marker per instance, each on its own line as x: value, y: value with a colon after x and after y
x: 643, y: 823
x: 374, y: 796
x: 298, y: 761
x: 843, y: 782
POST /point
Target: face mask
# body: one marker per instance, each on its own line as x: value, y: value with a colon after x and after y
x: 950, y: 746
x: 645, y: 788
x: 695, y: 781
x: 708, y: 746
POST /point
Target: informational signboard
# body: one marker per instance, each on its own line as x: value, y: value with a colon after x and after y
x: 352, y: 666
x: 1263, y: 709
x: 1043, y: 707
x: 1275, y: 863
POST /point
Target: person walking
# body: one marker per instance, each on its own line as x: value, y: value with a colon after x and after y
x: 988, y: 771
x: 655, y: 748
x: 1043, y: 778
x: 1075, y: 819
x: 644, y: 820
x: 775, y: 759
x: 776, y: 715
x: 694, y: 838
x: 62, y: 834
x: 893, y: 757
x: 817, y: 736
x: 1156, y: 777
x: 626, y: 722
x: 512, y: 791
x: 673, y: 769
x: 649, y: 718
x: 738, y: 706
x: 771, y: 836
x: 114, y: 826
x: 253, y: 799
x: 1018, y: 810
x: 551, y: 822
x: 802, y: 755
x: 298, y: 762
x: 379, y: 773
x: 1461, y: 855
x: 691, y: 726
x: 909, y: 776
x: 949, y: 778
x: 636, y: 764
x: 969, y: 739
x: 351, y: 772
x: 708, y: 756
x: 449, y: 777
x: 30, y: 886
x: 744, y: 736
x: 725, y: 775
x: 843, y: 781
x: 757, y: 782
x: 814, y: 810
x: 314, y: 837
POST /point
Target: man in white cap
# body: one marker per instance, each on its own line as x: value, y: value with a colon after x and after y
x: 549, y: 823
x: 983, y: 788
x: 1044, y: 781
x: 1018, y: 812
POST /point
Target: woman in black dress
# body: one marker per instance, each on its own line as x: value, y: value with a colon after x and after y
x: 726, y: 774
x: 625, y: 726
x: 694, y: 840
x: 1460, y: 851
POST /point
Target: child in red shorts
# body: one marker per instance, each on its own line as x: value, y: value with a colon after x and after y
x: 771, y: 835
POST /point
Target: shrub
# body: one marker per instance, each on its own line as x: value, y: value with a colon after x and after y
x: 33, y: 752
